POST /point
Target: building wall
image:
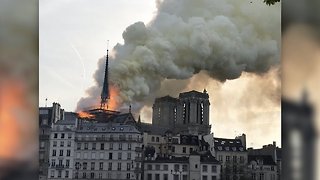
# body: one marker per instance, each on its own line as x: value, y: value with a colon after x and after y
x: 119, y: 158
x: 263, y: 172
x: 228, y: 163
x: 61, y: 155
x: 163, y: 170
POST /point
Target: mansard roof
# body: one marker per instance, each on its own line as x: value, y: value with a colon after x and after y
x: 265, y: 159
x: 94, y: 127
x: 223, y: 144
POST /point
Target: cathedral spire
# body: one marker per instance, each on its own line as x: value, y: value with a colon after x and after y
x: 105, y: 89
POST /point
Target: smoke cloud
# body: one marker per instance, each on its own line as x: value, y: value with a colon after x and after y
x: 222, y: 39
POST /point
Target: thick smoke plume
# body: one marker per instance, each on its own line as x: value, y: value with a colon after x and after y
x: 222, y: 38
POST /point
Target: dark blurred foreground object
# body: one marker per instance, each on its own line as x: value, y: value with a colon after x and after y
x: 271, y: 2
x: 298, y: 140
x: 16, y: 170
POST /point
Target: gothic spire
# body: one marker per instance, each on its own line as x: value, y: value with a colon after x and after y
x: 105, y: 89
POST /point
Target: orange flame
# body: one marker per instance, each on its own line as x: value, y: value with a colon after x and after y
x: 113, y: 102
x: 12, y: 102
x: 83, y: 114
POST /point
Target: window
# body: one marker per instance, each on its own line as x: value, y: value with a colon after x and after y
x: 92, y: 165
x: 76, y: 175
x: 165, y: 167
x: 175, y: 177
x: 67, y: 163
x: 176, y: 167
x: 53, y: 162
x: 67, y: 174
x: 129, y: 156
x: 157, y: 166
x: 61, y: 144
x: 119, y: 166
x: 60, y: 162
x: 165, y: 177
x: 110, y: 166
x: 184, y: 177
x: 261, y: 176
x: 227, y: 158
x: 110, y: 155
x: 234, y: 158
x: 173, y: 149
x: 157, y: 139
x: 220, y: 158
x: 68, y: 152
x: 149, y: 177
x: 59, y: 174
x: 101, y: 155
x: 78, y: 146
x: 184, y: 167
x: 204, y: 168
x: 61, y: 153
x: 204, y: 177
x: 62, y: 135
x: 100, y: 175
x: 69, y: 135
x: 54, y: 152
x: 128, y: 166
x: 149, y: 167
x: 101, y: 166
x: 241, y: 159
x: 69, y: 144
x: 214, y: 169
x: 54, y: 143
x: 184, y: 149
x: 120, y: 146
x: 102, y: 146
x: 92, y: 175
x: 129, y: 146
x: 93, y: 146
x: 84, y: 175
x: 111, y: 145
x: 190, y: 150
x: 84, y: 166
x: 196, y: 166
x: 77, y: 165
x: 85, y: 145
x: 52, y: 173
x: 157, y: 177
x: 119, y: 155
x: 152, y: 138
x: 93, y: 155
x: 213, y: 177
x: 128, y: 175
x: 55, y: 135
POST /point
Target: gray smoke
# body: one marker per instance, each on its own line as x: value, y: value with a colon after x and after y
x: 222, y: 38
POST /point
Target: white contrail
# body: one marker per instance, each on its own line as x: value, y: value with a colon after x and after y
x: 81, y: 61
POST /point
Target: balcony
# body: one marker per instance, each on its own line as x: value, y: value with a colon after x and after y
x: 107, y: 139
x: 138, y: 159
x: 137, y: 170
x: 59, y: 166
x: 138, y: 149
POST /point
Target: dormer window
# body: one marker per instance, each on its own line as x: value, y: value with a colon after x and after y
x: 234, y: 148
x: 227, y: 148
x: 241, y: 148
x: 220, y: 148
